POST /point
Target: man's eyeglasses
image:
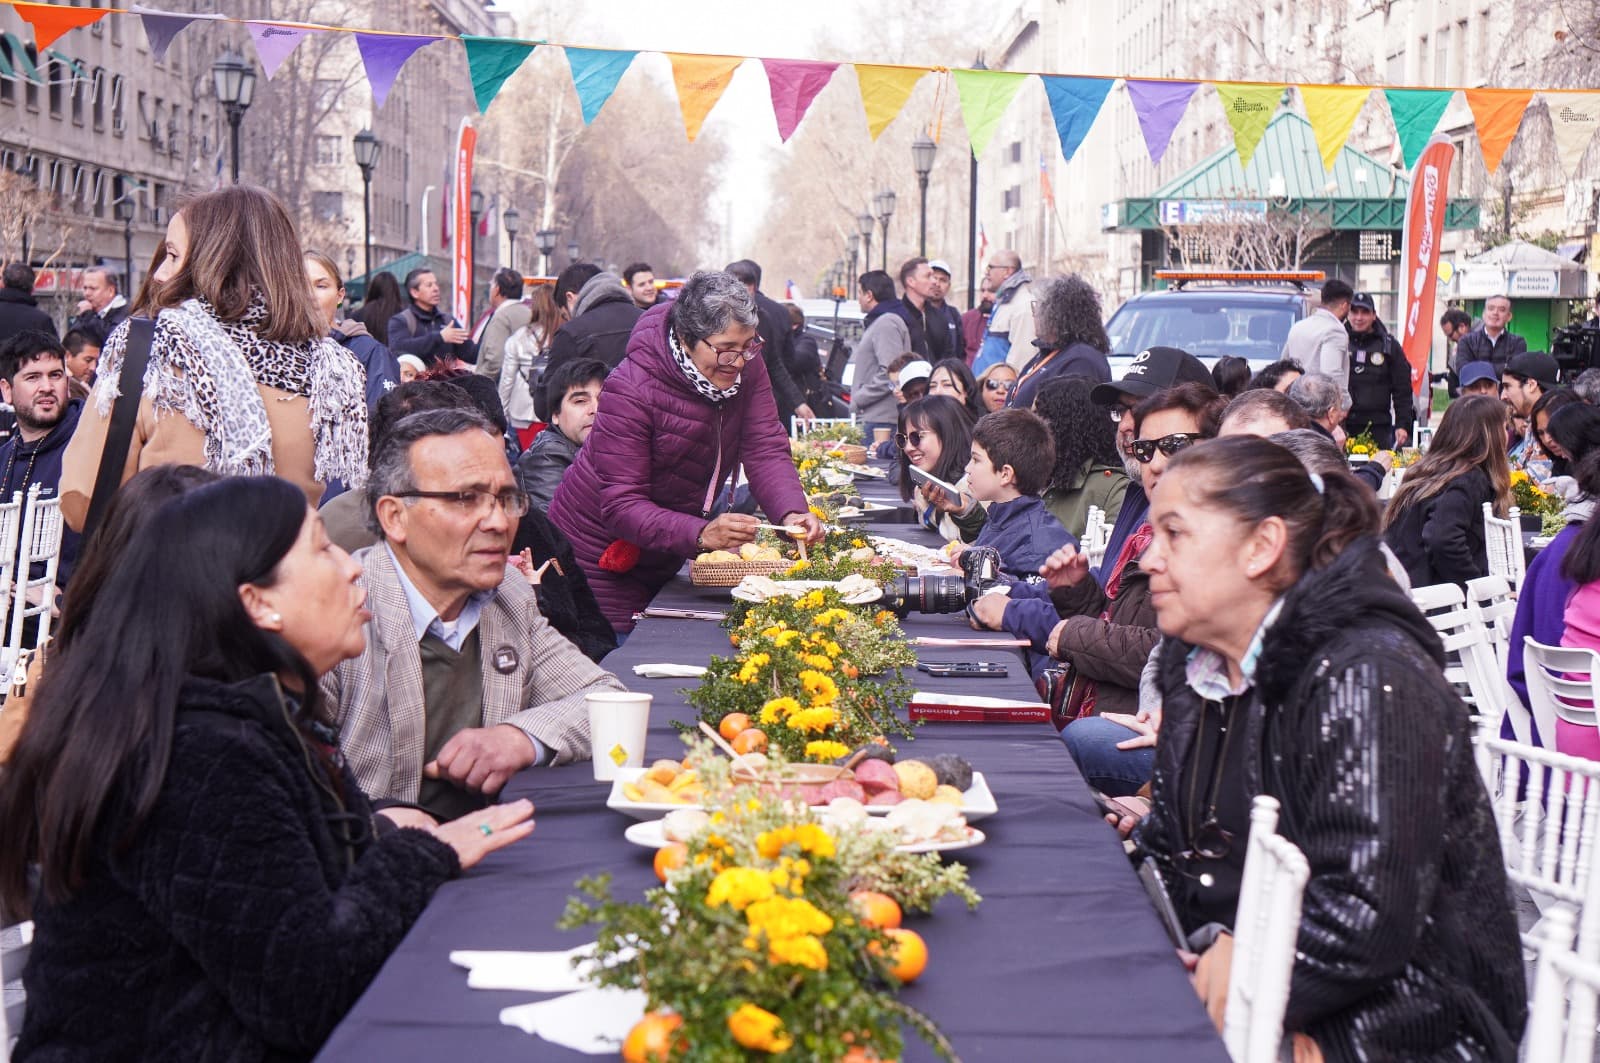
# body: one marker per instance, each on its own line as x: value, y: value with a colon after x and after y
x: 514, y: 502
x: 1144, y: 450
x: 1117, y: 413
x: 1007, y: 386
x: 913, y: 438
x: 729, y: 357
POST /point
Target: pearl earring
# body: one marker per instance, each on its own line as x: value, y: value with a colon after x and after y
x: 276, y: 618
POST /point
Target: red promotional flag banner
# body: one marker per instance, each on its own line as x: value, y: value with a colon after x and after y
x: 49, y: 21
x: 1419, y: 256
x: 461, y: 210
x: 794, y: 84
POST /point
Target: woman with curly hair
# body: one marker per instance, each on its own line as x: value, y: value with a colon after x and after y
x: 1088, y: 470
x: 1072, y: 338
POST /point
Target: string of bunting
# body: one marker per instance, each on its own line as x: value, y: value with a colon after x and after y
x: 1075, y: 100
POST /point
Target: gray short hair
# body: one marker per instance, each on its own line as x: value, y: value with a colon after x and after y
x: 105, y: 275
x: 1319, y: 394
x: 391, y: 459
x: 1587, y: 386
x: 711, y: 302
x: 1316, y: 452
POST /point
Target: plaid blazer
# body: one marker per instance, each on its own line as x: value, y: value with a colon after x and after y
x: 375, y: 700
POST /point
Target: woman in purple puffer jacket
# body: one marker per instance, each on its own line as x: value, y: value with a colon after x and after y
x: 689, y: 404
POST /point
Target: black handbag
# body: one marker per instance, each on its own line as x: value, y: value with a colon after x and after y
x: 124, y: 415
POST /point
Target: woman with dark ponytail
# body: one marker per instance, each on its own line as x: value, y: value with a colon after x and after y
x: 1291, y: 665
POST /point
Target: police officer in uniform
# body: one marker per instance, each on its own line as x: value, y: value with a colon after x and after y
x: 1380, y: 378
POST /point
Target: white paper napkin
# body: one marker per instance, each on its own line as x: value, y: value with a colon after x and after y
x: 593, y: 1021
x: 536, y: 972
x: 669, y: 671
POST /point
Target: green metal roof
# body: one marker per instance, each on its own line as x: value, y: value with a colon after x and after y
x: 1360, y: 193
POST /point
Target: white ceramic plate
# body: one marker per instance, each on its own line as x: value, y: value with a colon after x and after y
x: 796, y: 587
x: 974, y: 837
x: 976, y: 803
x: 870, y: 471
x: 648, y: 835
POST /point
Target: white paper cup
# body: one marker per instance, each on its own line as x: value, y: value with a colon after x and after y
x: 618, y: 724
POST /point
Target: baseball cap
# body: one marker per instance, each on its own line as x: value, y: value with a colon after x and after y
x: 1477, y: 372
x: 1154, y: 369
x: 1363, y: 301
x: 939, y: 265
x: 917, y: 370
x: 1536, y: 365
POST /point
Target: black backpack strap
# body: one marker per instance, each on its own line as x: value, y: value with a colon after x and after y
x: 124, y: 415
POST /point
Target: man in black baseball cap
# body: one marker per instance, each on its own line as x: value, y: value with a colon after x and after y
x: 1526, y: 379
x: 1380, y: 378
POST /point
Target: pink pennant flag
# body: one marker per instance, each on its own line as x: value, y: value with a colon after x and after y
x: 275, y: 42
x: 383, y: 54
x: 794, y: 83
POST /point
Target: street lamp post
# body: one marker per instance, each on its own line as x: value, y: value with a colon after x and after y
x: 366, y: 148
x: 475, y: 209
x: 124, y: 209
x: 546, y: 238
x: 883, y: 204
x: 235, y: 81
x: 922, y: 152
x: 513, y: 219
x: 854, y: 244
x: 864, y: 221
x: 572, y: 251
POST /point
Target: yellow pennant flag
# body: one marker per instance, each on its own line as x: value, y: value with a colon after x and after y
x: 1332, y: 111
x: 884, y: 90
x: 701, y: 80
x: 1248, y: 109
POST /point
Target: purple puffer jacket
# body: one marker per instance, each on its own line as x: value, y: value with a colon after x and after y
x: 658, y: 452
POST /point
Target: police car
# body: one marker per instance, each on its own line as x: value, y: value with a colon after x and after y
x: 1247, y: 314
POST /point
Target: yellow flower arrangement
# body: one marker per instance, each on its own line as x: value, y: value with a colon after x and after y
x: 815, y: 720
x: 823, y: 690
x: 807, y: 837
x: 739, y: 888
x: 779, y: 709
x: 825, y: 750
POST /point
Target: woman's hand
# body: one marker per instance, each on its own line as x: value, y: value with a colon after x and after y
x: 807, y: 520
x: 472, y: 842
x: 1126, y: 814
x: 729, y: 532
x: 940, y: 499
x: 402, y: 816
x: 1211, y: 978
x: 1067, y: 567
x: 1146, y: 723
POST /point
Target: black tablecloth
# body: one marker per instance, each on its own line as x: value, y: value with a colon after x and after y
x: 1064, y: 959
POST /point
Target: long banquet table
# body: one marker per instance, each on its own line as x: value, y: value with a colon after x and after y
x: 1064, y: 960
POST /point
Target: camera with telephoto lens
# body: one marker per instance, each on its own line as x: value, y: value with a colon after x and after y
x: 1575, y: 348
x: 980, y: 570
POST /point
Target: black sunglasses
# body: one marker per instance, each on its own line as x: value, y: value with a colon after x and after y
x: 999, y: 385
x: 1144, y: 450
x: 914, y: 438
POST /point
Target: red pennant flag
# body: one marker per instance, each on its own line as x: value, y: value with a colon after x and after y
x: 49, y: 21
x: 794, y: 85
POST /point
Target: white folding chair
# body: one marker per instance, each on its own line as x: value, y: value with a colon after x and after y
x: 1503, y: 542
x: 1096, y: 534
x: 15, y: 942
x: 1391, y: 483
x: 1561, y: 1020
x: 41, y: 543
x: 799, y: 429
x: 1495, y: 604
x: 1437, y: 596
x: 1265, y: 929
x: 1563, y: 684
x: 10, y: 531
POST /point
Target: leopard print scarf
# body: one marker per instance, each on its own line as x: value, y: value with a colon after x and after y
x: 208, y: 370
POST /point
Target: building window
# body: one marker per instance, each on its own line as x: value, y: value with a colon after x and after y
x: 1442, y: 42
x: 30, y: 90
x: 79, y: 88
x: 54, y: 78
x: 1395, y: 71
x: 1015, y: 154
x: 329, y: 151
x: 1011, y: 198
x: 119, y: 122
x: 327, y: 206
x: 327, y: 94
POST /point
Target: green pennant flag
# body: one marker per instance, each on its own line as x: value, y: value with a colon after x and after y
x: 491, y: 60
x: 985, y: 95
x: 1248, y: 108
x: 1415, y: 113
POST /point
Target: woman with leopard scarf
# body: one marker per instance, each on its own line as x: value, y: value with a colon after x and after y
x: 242, y: 379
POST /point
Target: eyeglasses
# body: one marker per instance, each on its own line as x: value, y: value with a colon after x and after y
x: 729, y: 357
x: 1007, y: 386
x: 514, y: 502
x: 1144, y: 450
x: 914, y: 438
x: 986, y: 269
x: 1117, y: 413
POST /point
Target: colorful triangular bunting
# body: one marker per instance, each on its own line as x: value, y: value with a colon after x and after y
x: 1415, y: 113
x: 490, y: 60
x: 985, y: 95
x: 383, y: 54
x: 794, y: 84
x: 50, y: 21
x: 701, y: 80
x: 1574, y: 116
x: 1332, y: 111
x: 1248, y: 109
x: 1074, y: 103
x: 884, y: 90
x: 275, y: 42
x: 161, y: 27
x: 1159, y: 106
x: 595, y: 73
x: 1497, y: 113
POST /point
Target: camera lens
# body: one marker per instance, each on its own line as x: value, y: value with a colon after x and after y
x: 942, y: 594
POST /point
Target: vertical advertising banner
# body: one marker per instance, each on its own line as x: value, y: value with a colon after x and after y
x: 1419, y: 256
x: 461, y: 211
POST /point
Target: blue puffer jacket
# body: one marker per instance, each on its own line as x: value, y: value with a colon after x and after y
x: 1025, y: 533
x: 381, y: 366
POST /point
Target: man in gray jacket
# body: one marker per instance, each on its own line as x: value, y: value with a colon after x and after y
x: 508, y: 313
x: 884, y: 338
x: 1320, y: 342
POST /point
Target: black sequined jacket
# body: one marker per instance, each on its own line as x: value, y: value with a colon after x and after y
x: 1408, y: 946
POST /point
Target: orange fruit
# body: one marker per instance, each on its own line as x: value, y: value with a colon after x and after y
x: 670, y: 857
x: 651, y: 1040
x: 908, y: 956
x: 750, y: 740
x: 857, y: 1054
x: 876, y: 909
x: 733, y: 725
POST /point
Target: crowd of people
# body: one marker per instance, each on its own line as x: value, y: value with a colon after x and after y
x: 422, y: 539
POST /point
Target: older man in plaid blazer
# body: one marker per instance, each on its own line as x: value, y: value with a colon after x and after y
x: 462, y: 683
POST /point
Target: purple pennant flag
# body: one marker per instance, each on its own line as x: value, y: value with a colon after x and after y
x: 160, y: 27
x: 275, y: 42
x: 1159, y: 106
x: 383, y: 55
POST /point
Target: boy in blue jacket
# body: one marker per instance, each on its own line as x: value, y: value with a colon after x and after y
x: 1012, y: 456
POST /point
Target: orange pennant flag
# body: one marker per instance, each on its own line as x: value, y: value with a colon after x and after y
x: 1497, y: 114
x: 49, y: 21
x: 884, y: 90
x: 701, y: 81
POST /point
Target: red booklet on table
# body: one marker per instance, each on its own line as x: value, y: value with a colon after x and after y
x: 939, y: 707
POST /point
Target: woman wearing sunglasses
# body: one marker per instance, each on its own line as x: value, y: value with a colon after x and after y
x: 936, y: 436
x: 995, y: 386
x: 1292, y: 665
